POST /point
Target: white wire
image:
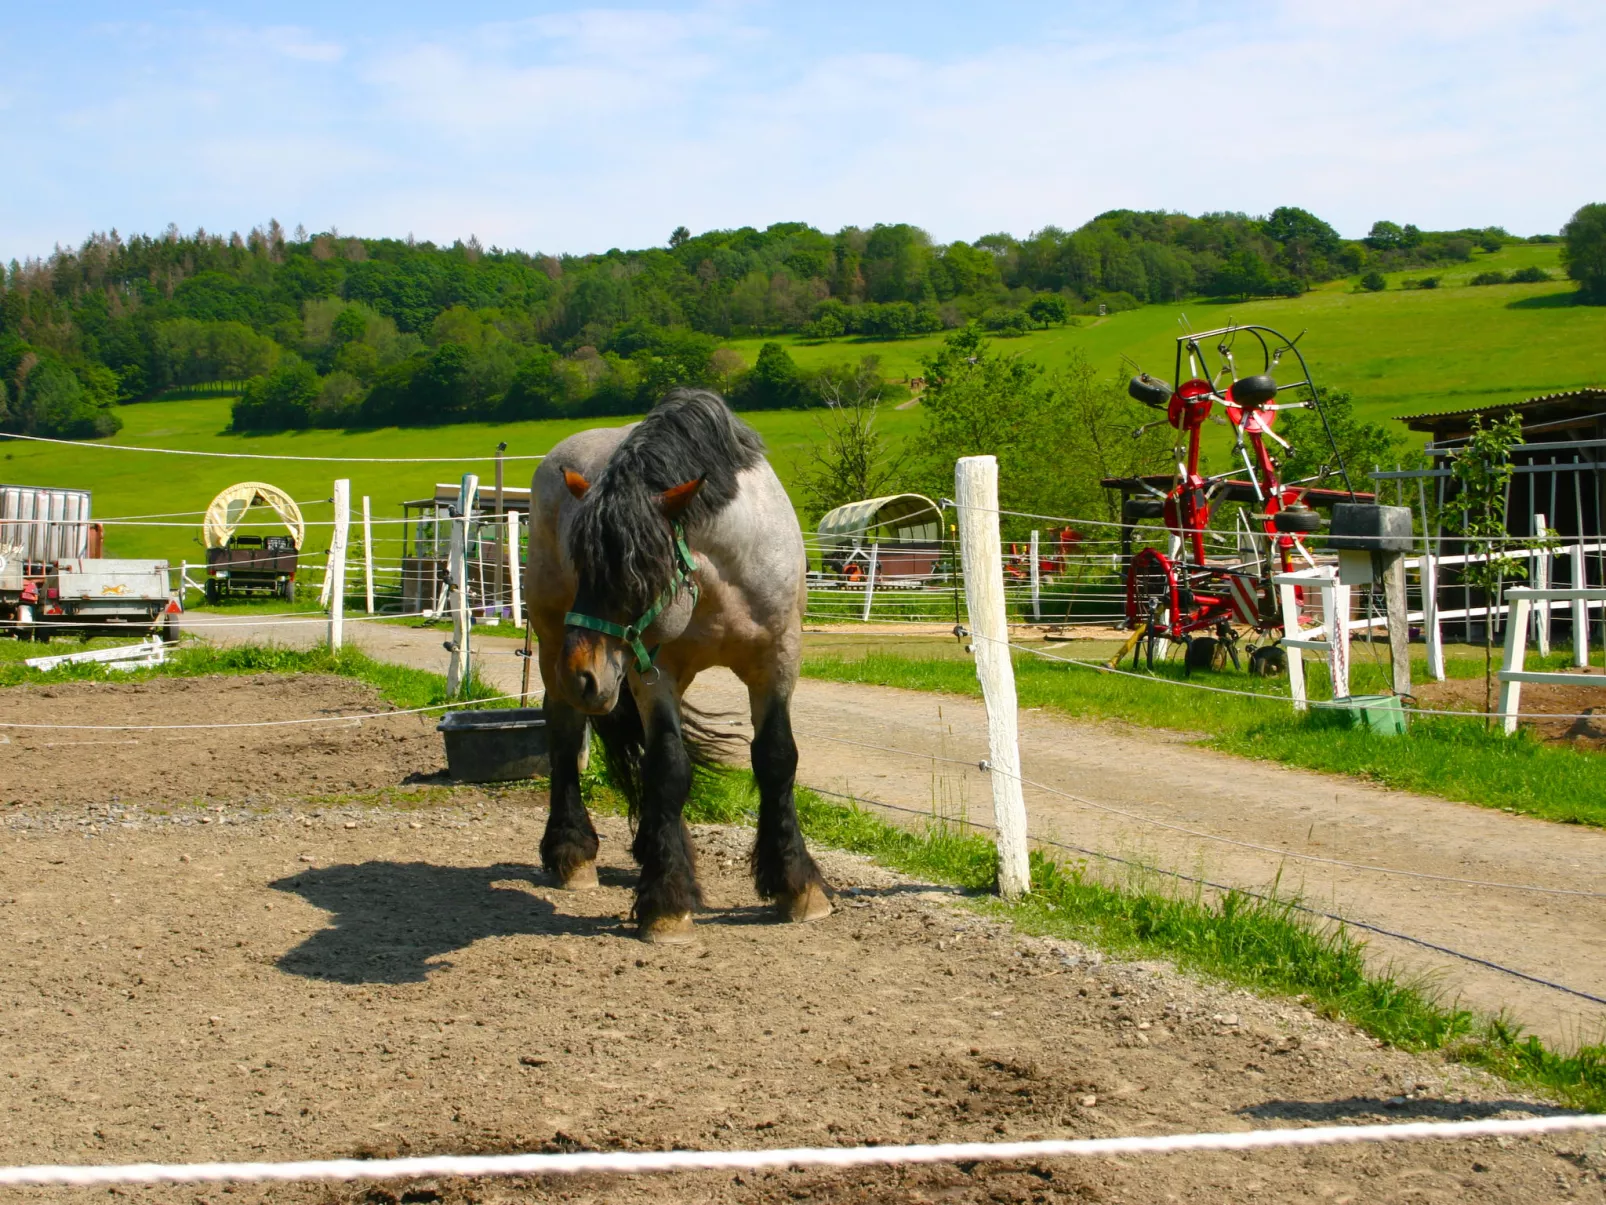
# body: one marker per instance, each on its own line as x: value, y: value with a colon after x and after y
x: 83, y: 443
x: 635, y: 1162
x: 316, y: 719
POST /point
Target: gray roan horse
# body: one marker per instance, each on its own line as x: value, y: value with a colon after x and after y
x: 659, y: 550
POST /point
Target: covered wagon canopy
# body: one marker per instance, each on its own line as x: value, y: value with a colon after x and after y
x: 895, y: 518
x: 228, y: 511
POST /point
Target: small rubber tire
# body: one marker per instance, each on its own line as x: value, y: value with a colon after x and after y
x: 1201, y: 653
x: 213, y: 593
x: 1297, y: 520
x: 1134, y: 509
x: 170, y: 630
x: 1254, y: 391
x: 1151, y: 391
x: 1268, y: 661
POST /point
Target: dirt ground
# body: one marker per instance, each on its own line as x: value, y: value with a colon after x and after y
x: 1156, y: 797
x: 297, y: 976
x: 1466, y: 694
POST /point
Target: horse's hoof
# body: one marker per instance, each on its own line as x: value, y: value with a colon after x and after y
x: 582, y: 878
x: 809, y: 904
x: 667, y: 930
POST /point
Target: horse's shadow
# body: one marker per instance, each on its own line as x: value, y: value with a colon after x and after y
x: 392, y: 921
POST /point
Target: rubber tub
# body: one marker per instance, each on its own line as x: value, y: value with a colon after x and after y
x: 495, y: 745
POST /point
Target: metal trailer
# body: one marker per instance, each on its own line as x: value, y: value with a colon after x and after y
x: 246, y: 563
x: 92, y: 596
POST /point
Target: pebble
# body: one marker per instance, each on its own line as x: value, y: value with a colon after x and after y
x: 414, y: 824
x: 1087, y: 1102
x: 351, y: 824
x: 184, y: 857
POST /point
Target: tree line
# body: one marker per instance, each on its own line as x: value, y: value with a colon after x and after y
x: 327, y: 329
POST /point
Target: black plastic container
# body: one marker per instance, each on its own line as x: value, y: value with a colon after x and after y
x: 496, y: 745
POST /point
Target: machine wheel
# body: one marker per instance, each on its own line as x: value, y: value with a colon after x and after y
x: 1254, y: 391
x: 1151, y: 391
x: 1297, y: 520
x: 1134, y: 509
x: 1268, y: 661
x: 1206, y: 652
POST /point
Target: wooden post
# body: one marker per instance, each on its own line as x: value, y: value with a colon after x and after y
x: 1433, y: 634
x: 496, y: 585
x: 1541, y: 580
x: 1037, y: 603
x: 1580, y: 608
x: 335, y: 579
x: 460, y: 667
x: 869, y: 583
x: 1516, y: 640
x: 1294, y: 654
x: 368, y: 553
x: 513, y: 565
x: 981, y: 553
x: 1335, y: 617
x: 1399, y: 627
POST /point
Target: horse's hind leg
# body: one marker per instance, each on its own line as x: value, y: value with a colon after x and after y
x: 569, y: 845
x: 668, y: 890
x: 783, y: 869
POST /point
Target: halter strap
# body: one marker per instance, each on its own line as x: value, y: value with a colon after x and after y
x: 685, y: 567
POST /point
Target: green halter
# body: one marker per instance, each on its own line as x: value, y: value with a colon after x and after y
x: 685, y: 566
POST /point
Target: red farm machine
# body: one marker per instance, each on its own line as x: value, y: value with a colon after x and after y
x: 1208, y: 584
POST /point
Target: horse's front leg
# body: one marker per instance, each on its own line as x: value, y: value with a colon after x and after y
x: 569, y: 845
x: 668, y: 889
x: 783, y: 869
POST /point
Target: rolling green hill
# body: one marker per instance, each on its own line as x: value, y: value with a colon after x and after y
x: 1399, y: 351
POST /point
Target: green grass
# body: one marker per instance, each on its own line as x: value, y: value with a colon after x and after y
x: 1265, y: 945
x: 135, y: 483
x: 1452, y: 757
x: 1399, y: 352
x: 397, y: 684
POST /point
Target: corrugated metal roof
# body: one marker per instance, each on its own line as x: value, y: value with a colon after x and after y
x: 1591, y: 396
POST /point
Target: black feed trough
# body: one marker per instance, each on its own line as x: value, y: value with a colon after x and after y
x: 495, y: 745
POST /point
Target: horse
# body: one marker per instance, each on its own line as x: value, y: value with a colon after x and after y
x: 658, y: 550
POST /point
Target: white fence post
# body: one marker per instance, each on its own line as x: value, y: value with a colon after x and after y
x: 1037, y: 584
x: 981, y: 554
x: 513, y: 567
x: 1294, y: 654
x: 1431, y: 631
x: 368, y: 554
x: 460, y: 667
x: 1541, y: 580
x: 335, y: 578
x: 1335, y: 616
x: 1516, y: 640
x: 1580, y: 610
x: 869, y: 583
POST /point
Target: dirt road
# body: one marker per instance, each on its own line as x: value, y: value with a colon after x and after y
x: 845, y: 733
x: 272, y: 971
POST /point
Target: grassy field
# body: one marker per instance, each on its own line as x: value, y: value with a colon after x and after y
x: 127, y: 483
x: 1399, y: 351
x: 1455, y: 758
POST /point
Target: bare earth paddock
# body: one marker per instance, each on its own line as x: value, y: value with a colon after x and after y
x: 277, y: 970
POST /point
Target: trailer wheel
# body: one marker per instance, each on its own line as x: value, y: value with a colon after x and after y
x: 213, y: 593
x: 287, y: 589
x: 170, y: 630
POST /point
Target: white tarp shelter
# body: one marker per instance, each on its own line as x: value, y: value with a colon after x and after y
x: 228, y: 510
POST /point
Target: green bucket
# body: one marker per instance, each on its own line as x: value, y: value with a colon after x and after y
x: 1382, y: 714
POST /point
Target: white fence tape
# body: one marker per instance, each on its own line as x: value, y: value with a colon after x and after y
x: 632, y: 1162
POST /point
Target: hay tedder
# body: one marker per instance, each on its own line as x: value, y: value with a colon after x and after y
x: 1208, y: 584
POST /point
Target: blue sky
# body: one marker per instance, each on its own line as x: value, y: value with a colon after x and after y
x: 556, y: 128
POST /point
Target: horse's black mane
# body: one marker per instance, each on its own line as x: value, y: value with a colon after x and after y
x: 620, y: 544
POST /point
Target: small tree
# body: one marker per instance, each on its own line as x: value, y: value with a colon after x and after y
x: 851, y: 460
x: 1583, y: 252
x: 1482, y: 470
x: 1374, y: 282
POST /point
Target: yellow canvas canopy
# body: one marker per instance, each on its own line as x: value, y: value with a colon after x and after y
x: 228, y: 511
x: 895, y: 518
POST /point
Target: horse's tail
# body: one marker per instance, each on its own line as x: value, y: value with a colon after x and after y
x: 624, y: 744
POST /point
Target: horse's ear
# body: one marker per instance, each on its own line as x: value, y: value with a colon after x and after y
x: 677, y: 498
x: 577, y: 484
